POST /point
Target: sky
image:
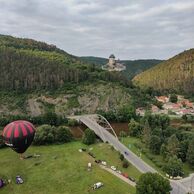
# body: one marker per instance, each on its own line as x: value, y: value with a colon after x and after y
x: 130, y: 29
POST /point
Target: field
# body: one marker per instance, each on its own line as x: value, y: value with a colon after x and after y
x: 61, y: 169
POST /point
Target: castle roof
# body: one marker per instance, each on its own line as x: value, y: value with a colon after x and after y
x: 112, y: 56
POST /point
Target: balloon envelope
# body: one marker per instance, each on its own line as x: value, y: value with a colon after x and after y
x: 19, y: 135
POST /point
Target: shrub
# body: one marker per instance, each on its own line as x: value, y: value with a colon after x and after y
x: 89, y: 137
x: 63, y: 135
x: 121, y: 157
x: 125, y: 164
x: 72, y: 122
x: 47, y: 134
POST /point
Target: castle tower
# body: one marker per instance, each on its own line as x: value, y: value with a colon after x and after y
x: 112, y: 60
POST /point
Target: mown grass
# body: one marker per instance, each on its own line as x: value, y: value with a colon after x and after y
x: 60, y: 169
x: 105, y: 152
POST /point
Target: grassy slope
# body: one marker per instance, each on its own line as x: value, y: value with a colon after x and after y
x: 66, y: 174
x: 176, y: 73
x: 104, y: 152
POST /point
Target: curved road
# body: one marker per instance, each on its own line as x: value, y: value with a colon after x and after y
x: 89, y: 121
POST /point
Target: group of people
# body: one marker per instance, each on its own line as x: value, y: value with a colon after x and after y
x: 19, y: 180
x: 3, y: 182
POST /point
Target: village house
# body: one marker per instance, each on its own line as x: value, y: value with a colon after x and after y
x: 155, y: 109
x: 140, y: 112
x: 163, y: 99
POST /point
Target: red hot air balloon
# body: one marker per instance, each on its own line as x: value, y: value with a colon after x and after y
x: 19, y: 135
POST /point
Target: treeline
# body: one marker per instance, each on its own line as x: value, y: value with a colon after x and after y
x: 30, y: 65
x: 49, y: 118
x: 50, y: 128
x: 176, y: 146
x: 24, y: 43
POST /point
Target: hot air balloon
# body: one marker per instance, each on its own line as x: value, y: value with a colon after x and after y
x: 19, y: 135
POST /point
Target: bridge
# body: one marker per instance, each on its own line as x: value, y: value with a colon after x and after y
x: 103, y: 129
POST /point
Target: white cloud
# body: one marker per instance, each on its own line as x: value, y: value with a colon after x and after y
x: 130, y: 29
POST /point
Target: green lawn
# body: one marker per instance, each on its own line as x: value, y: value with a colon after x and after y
x: 61, y: 169
x: 105, y: 152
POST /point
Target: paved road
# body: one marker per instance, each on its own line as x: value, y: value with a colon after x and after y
x: 88, y: 120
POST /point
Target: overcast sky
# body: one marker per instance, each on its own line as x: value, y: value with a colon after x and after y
x: 131, y: 29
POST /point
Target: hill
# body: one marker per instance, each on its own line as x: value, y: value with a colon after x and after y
x: 36, y: 78
x: 27, y: 64
x: 175, y: 74
x: 133, y: 67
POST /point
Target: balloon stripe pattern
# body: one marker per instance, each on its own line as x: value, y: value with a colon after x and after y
x: 19, y: 135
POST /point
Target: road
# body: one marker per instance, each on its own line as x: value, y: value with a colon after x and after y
x: 179, y: 187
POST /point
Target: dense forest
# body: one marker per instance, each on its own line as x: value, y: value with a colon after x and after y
x: 28, y: 64
x: 133, y: 67
x: 175, y: 74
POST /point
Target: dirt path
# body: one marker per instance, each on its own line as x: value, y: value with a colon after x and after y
x: 118, y: 175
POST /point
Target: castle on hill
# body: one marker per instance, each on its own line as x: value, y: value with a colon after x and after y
x: 114, y: 65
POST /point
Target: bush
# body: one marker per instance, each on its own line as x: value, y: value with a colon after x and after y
x: 89, y: 137
x: 72, y: 122
x: 121, y: 157
x: 173, y: 98
x: 125, y: 164
x: 63, y: 135
x: 135, y: 129
x: 47, y: 134
x: 44, y: 135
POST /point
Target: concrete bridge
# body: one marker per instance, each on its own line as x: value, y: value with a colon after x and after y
x: 103, y: 129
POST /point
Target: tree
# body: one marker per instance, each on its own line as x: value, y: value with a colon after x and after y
x: 183, y: 150
x: 173, y: 146
x: 155, y: 144
x: 125, y: 163
x: 153, y: 183
x: 121, y: 157
x: 173, y: 98
x: 190, y: 152
x: 174, y: 167
x: 163, y: 151
x: 63, y: 135
x: 89, y: 137
x: 51, y: 118
x: 135, y: 129
x: 146, y: 133
x: 45, y: 134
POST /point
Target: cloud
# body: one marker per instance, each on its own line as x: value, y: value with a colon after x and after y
x: 130, y: 29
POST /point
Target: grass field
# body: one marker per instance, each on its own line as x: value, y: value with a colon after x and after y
x: 60, y: 169
x: 105, y: 152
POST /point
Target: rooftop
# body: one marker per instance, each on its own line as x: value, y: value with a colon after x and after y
x: 112, y: 56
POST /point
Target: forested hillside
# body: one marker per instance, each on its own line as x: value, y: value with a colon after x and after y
x: 133, y: 67
x: 175, y: 74
x: 28, y: 64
